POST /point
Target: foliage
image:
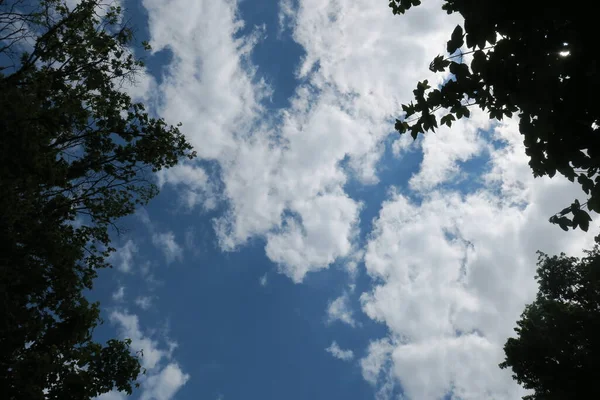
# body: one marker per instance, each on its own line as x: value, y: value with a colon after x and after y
x: 557, y: 349
x: 538, y: 62
x: 76, y: 154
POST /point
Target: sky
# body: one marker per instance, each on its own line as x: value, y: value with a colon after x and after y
x: 309, y: 251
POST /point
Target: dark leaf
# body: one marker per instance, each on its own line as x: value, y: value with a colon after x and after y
x: 456, y: 40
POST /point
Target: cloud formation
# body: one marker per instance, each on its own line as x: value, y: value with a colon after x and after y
x: 144, y: 302
x: 123, y: 256
x: 283, y: 176
x: 119, y: 294
x: 340, y: 310
x: 451, y: 267
x: 161, y: 381
x: 335, y: 350
x: 454, y: 272
x: 168, y: 245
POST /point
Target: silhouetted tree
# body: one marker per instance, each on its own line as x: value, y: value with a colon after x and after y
x: 75, y: 155
x: 557, y: 349
x: 537, y: 60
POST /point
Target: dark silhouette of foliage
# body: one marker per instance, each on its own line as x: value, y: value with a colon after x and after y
x: 75, y: 155
x: 557, y: 349
x: 537, y: 60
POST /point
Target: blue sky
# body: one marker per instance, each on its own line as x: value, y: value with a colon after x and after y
x: 309, y: 252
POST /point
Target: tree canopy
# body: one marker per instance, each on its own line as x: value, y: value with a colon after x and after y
x: 76, y: 154
x: 557, y: 349
x: 536, y: 60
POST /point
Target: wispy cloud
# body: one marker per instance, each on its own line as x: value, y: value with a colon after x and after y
x: 164, y: 376
x: 263, y: 280
x: 335, y: 350
x: 119, y: 294
x: 340, y: 310
x: 123, y: 256
x: 144, y: 302
x: 168, y: 245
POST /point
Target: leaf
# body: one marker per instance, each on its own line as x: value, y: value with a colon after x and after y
x: 447, y: 120
x: 414, y: 132
x: 401, y: 126
x: 438, y: 64
x: 564, y: 223
x: 409, y: 109
x: 423, y: 85
x: 565, y: 211
x: 478, y: 62
x: 434, y: 98
x: 586, y: 183
x: 581, y: 218
x: 456, y: 40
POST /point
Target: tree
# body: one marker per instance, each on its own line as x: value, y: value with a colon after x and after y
x: 557, y: 349
x: 538, y: 61
x: 76, y: 154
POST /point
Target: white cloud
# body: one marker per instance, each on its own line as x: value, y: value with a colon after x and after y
x: 164, y: 385
x: 119, y: 294
x: 375, y: 362
x: 129, y: 327
x: 112, y: 395
x: 444, y: 149
x: 283, y: 178
x: 340, y: 310
x: 144, y: 302
x: 123, y: 256
x: 339, y: 353
x: 161, y: 382
x: 196, y: 188
x: 263, y: 280
x: 453, y: 274
x: 166, y: 242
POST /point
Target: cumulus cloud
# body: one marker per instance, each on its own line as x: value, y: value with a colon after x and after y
x: 283, y: 176
x: 168, y: 245
x: 129, y: 327
x: 196, y: 187
x: 447, y: 147
x: 374, y: 364
x: 161, y: 381
x: 123, y: 256
x: 453, y: 273
x: 164, y: 385
x: 340, y: 310
x: 335, y: 350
